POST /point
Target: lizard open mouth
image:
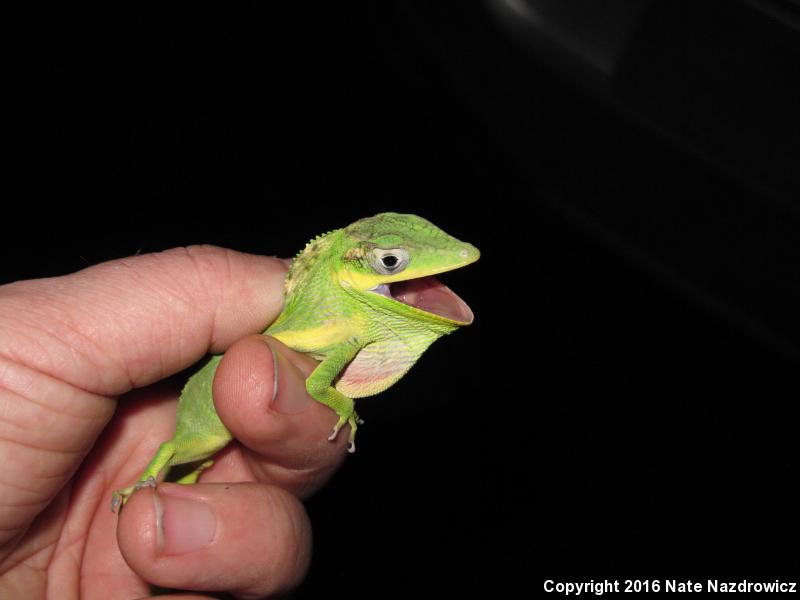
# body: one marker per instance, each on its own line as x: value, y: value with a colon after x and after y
x: 430, y: 295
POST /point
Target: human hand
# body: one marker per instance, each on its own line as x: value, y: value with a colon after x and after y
x: 69, y: 347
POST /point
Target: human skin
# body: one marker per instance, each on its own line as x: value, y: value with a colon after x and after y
x: 86, y: 397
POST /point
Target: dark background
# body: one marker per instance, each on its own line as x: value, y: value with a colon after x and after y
x: 624, y: 405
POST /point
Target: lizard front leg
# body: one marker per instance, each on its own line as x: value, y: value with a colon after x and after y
x: 320, y: 387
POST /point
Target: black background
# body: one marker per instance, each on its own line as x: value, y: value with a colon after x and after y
x: 605, y: 417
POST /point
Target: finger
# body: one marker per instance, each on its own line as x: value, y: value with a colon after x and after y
x: 284, y: 428
x: 68, y: 342
x: 130, y: 322
x: 198, y: 537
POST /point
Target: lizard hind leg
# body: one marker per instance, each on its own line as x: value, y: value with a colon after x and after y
x: 160, y: 461
x: 192, y: 477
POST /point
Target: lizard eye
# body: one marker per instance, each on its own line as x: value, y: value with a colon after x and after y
x: 389, y: 262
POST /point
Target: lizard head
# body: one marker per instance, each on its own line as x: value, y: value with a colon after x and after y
x: 391, y: 259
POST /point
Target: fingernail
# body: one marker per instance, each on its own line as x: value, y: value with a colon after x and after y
x: 289, y: 395
x: 184, y: 524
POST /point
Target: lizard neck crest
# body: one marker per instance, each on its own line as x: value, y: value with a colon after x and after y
x: 303, y: 263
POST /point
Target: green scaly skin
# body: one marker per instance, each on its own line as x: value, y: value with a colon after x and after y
x: 346, y: 306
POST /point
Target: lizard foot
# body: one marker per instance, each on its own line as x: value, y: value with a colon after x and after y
x: 354, y: 421
x: 120, y: 497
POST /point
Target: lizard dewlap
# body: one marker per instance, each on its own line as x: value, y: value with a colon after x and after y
x: 365, y: 302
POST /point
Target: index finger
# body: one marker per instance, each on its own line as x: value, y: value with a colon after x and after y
x: 130, y: 322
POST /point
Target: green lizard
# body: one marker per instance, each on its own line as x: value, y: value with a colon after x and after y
x: 364, y: 302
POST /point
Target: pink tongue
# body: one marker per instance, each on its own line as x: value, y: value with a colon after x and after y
x: 430, y: 295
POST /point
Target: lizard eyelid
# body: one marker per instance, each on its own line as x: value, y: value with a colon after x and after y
x: 389, y: 261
